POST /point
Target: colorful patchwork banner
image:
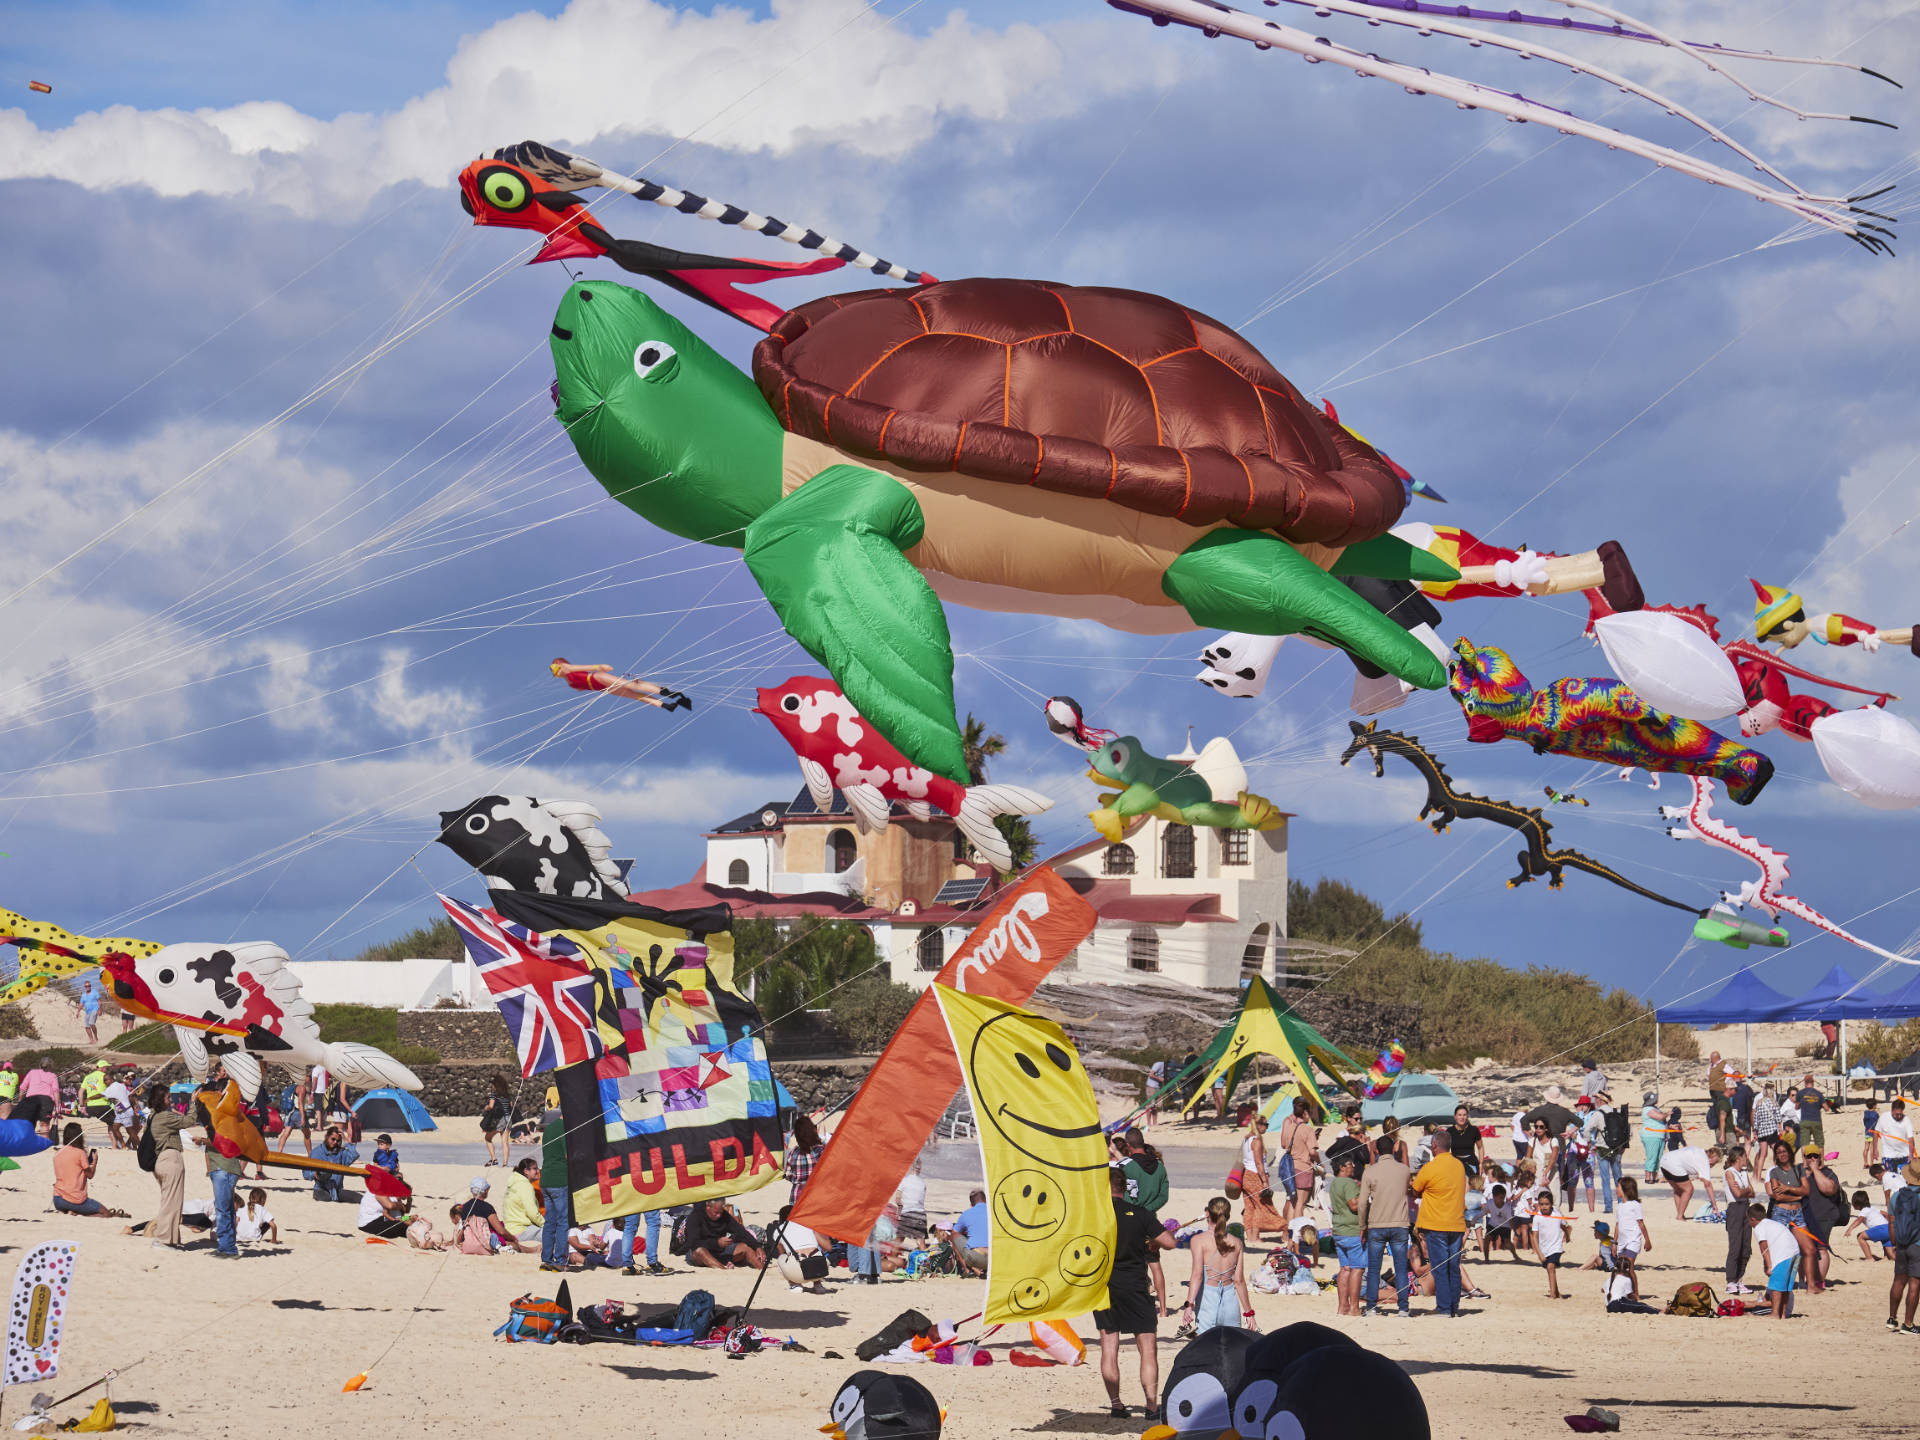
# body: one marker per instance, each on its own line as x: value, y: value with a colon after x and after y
x: 680, y: 1104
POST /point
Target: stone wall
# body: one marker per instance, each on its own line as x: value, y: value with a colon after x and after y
x: 458, y: 1034
x: 462, y: 1087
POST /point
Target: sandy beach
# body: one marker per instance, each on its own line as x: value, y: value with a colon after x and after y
x: 262, y: 1348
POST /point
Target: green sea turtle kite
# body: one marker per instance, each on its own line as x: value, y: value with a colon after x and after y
x: 1002, y: 444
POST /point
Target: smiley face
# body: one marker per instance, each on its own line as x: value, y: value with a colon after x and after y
x: 1029, y: 1296
x: 1027, y: 1205
x: 1047, y: 1084
x: 1084, y: 1261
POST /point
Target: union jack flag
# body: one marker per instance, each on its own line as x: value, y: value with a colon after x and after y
x: 542, y: 984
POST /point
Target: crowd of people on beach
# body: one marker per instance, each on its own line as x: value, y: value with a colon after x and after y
x: 1381, y: 1217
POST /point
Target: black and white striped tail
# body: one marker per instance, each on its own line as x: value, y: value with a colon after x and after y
x: 576, y: 172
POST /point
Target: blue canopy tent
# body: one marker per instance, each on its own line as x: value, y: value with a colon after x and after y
x: 1744, y: 999
x: 392, y: 1110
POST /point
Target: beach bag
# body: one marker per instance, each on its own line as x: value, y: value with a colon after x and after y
x: 677, y: 1241
x: 695, y: 1313
x: 1232, y: 1184
x: 1695, y: 1299
x: 148, y: 1152
x: 532, y: 1319
x: 476, y: 1237
x: 1732, y: 1308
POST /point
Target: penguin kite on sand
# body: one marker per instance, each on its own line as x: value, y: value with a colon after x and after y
x: 873, y: 1405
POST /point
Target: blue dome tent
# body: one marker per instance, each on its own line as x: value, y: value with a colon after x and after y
x: 392, y: 1110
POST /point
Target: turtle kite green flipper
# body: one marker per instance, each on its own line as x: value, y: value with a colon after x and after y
x: 829, y: 558
x: 1388, y: 557
x: 1255, y: 582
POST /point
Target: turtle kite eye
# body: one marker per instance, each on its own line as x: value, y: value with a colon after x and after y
x: 653, y: 360
x: 504, y: 189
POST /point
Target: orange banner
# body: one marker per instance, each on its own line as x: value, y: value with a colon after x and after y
x: 1033, y: 928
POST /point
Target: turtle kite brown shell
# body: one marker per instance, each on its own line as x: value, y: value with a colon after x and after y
x: 1087, y: 391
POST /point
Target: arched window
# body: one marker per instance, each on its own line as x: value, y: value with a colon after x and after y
x: 841, y: 851
x: 1253, y: 960
x: 737, y: 873
x: 1143, y: 948
x: 1177, y: 853
x: 1119, y: 860
x: 933, y: 948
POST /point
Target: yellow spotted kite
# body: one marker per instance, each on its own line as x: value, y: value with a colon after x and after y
x: 1049, y: 1204
x: 48, y: 953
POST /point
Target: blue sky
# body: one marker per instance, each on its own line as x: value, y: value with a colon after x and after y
x: 236, y: 715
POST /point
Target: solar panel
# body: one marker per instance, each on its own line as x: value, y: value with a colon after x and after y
x: 959, y: 892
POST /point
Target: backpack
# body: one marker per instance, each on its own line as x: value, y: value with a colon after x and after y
x: 677, y: 1242
x: 1613, y: 1125
x: 695, y: 1314
x: 532, y: 1319
x: 1903, y: 1216
x: 148, y: 1151
x: 476, y: 1236
x: 1696, y: 1299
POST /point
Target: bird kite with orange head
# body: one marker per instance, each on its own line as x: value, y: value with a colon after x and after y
x: 531, y: 186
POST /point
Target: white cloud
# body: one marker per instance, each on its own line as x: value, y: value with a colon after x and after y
x: 411, y: 711
x: 808, y: 74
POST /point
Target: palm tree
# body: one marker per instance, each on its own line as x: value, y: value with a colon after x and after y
x: 980, y: 747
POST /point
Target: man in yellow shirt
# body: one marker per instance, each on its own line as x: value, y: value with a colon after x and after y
x: 93, y: 1092
x: 1441, y: 1187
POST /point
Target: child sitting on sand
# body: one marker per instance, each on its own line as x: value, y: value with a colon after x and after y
x: 253, y: 1221
x: 1603, y: 1256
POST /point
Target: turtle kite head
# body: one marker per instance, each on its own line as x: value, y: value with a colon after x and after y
x: 672, y: 430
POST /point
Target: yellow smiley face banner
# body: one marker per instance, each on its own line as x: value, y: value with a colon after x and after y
x: 1048, y: 1201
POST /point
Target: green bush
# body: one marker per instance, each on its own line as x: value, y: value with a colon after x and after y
x: 818, y: 964
x: 17, y: 1024
x: 438, y: 940
x: 1882, y: 1046
x: 1476, y: 1007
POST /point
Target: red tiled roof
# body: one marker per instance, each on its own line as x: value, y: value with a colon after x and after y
x: 758, y: 904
